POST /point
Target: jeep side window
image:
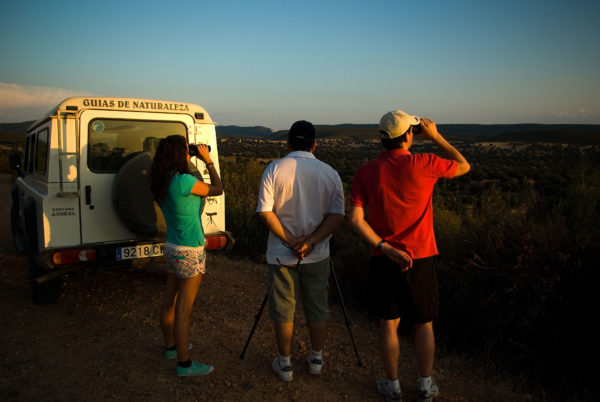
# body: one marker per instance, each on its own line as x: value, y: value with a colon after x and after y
x: 41, y: 154
x: 113, y: 142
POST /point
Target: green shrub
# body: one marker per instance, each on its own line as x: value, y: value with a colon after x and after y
x: 524, y: 293
x: 241, y: 181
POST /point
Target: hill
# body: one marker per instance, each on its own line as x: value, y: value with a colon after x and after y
x: 552, y: 133
x: 580, y: 134
x: 258, y: 132
x: 15, y: 128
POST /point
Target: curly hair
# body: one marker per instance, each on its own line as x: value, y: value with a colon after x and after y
x: 170, y: 159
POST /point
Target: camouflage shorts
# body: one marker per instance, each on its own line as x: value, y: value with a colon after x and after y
x: 185, y: 262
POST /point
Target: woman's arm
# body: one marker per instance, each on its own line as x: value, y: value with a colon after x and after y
x: 215, y: 187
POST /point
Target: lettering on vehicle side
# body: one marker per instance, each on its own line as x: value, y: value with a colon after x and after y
x: 136, y: 105
x: 69, y: 211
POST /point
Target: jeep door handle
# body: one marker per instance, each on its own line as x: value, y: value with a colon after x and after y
x: 88, y: 195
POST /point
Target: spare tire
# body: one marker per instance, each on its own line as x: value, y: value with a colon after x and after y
x: 133, y: 201
x: 132, y: 198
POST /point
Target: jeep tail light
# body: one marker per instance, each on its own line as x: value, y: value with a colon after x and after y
x: 73, y: 256
x: 215, y: 241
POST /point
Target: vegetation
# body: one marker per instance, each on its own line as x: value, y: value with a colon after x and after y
x: 518, y: 239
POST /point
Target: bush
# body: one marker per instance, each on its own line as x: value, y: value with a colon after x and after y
x: 518, y: 276
x: 241, y: 181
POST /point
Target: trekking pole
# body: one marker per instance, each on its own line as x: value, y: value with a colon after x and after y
x: 257, y: 316
x: 348, y: 323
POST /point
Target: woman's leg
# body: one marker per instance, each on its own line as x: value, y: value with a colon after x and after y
x: 186, y: 295
x: 167, y: 311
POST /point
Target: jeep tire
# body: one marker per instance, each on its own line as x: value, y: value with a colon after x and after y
x: 133, y: 199
x: 19, y: 237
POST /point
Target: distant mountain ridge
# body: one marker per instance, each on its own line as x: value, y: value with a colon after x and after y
x: 247, y: 132
x: 553, y: 133
x: 15, y: 128
x: 582, y: 134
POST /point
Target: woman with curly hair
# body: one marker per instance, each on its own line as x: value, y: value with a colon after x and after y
x: 180, y: 197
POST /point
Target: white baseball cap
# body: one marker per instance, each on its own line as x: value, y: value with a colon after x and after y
x: 396, y: 123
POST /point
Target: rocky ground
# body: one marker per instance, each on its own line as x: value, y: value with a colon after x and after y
x: 101, y: 341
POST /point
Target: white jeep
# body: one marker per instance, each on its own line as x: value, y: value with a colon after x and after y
x: 83, y: 197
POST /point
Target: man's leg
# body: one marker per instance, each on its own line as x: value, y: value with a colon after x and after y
x: 389, y: 346
x: 424, y: 348
x: 283, y: 335
x: 283, y: 363
x: 317, y: 332
x: 282, y: 304
x: 315, y: 291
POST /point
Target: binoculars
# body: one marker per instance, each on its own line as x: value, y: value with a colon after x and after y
x: 193, y: 149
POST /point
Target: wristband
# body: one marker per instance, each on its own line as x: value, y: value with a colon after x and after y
x: 310, y: 241
x: 380, y: 244
x: 210, y: 164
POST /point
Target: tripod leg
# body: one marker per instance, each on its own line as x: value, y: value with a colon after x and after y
x: 257, y: 317
x: 348, y: 323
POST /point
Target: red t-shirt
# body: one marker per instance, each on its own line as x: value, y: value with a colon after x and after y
x: 396, y: 187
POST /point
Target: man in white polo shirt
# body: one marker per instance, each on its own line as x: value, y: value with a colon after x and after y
x: 301, y: 200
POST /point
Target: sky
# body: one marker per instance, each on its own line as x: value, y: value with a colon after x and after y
x: 270, y: 63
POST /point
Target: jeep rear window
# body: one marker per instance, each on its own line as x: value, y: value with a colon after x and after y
x: 113, y: 142
x: 41, y: 151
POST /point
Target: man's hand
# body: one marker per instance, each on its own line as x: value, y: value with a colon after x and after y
x: 303, y: 247
x: 428, y: 129
x: 398, y: 256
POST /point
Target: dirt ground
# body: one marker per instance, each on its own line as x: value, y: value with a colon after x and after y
x: 101, y: 341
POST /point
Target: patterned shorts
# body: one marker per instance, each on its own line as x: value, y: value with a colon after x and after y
x: 185, y: 262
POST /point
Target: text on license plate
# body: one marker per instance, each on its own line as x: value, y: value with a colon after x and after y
x: 140, y: 251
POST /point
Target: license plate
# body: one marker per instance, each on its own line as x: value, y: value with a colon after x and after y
x: 140, y: 251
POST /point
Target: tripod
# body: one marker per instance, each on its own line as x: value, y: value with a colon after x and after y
x: 346, y: 319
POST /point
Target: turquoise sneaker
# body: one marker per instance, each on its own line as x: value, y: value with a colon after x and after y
x: 171, y: 354
x: 195, y: 369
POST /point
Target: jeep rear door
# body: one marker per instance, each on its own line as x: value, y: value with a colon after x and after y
x: 108, y: 140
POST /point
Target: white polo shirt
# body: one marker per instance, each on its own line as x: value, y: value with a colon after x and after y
x: 301, y: 190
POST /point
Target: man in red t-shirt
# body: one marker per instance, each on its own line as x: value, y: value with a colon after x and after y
x: 396, y: 188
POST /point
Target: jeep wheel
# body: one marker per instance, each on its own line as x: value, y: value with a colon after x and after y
x: 19, y: 237
x: 46, y: 292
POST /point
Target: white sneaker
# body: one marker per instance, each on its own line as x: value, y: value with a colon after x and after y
x: 428, y: 395
x: 385, y: 389
x: 285, y: 373
x: 314, y: 365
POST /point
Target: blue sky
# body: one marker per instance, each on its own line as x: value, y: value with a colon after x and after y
x: 270, y: 63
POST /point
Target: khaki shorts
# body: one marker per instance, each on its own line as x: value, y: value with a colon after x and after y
x: 311, y: 281
x: 185, y: 262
